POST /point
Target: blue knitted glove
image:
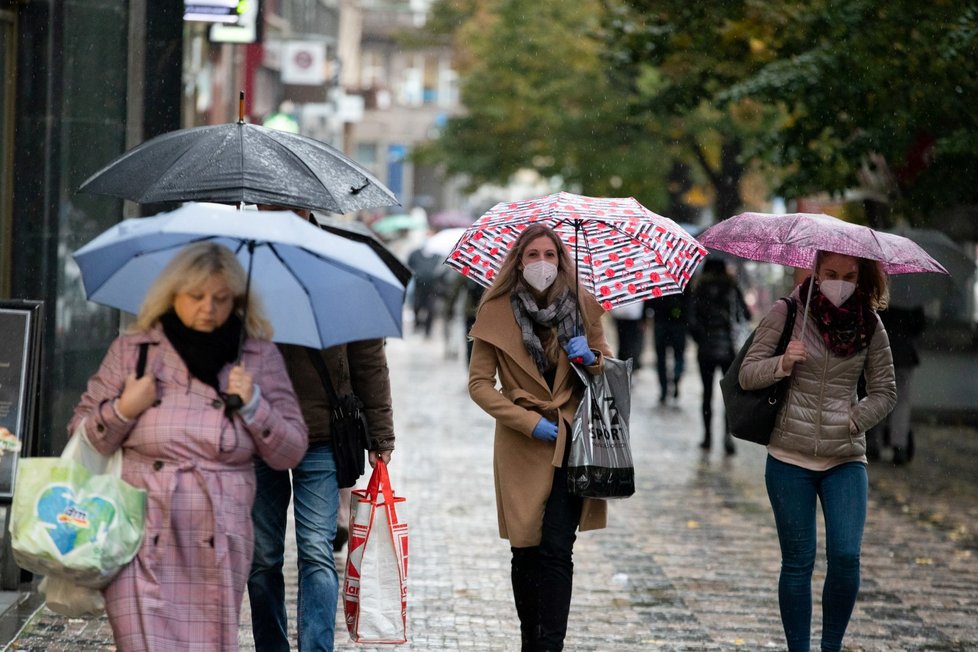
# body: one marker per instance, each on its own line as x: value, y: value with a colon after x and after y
x: 578, y: 351
x: 545, y: 430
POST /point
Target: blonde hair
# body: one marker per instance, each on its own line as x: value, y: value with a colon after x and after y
x: 873, y: 280
x: 509, y: 275
x: 189, y: 270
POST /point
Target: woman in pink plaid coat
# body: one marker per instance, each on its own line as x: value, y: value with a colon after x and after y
x: 189, y: 428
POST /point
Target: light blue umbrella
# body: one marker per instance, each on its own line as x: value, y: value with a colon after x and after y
x: 319, y: 289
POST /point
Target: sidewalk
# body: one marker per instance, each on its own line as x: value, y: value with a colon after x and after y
x: 690, y: 562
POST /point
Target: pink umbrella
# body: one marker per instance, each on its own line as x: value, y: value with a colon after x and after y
x: 624, y: 252
x: 795, y: 239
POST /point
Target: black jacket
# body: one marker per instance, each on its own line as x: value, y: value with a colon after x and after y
x: 716, y: 305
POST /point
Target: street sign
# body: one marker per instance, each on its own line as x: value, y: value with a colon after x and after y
x: 213, y: 11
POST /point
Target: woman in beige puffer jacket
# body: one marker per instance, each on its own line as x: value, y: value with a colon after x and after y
x: 818, y: 447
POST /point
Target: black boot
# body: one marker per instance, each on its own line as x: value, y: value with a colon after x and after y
x: 728, y: 444
x: 526, y: 593
x: 707, y: 413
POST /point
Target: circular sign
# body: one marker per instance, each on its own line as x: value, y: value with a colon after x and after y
x: 302, y: 59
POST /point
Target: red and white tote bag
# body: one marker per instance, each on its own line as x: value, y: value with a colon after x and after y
x: 375, y: 587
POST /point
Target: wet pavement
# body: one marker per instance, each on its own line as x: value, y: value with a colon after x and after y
x: 690, y: 562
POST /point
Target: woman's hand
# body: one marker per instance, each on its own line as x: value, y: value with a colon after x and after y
x: 240, y: 382
x: 794, y: 353
x: 137, y: 396
x: 578, y: 351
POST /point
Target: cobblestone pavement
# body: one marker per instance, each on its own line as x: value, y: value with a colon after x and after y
x: 690, y: 562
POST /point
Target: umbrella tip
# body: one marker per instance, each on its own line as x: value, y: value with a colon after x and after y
x: 241, y: 107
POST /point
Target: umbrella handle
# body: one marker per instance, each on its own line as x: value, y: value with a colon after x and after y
x: 577, y: 277
x: 811, y: 285
x: 233, y: 401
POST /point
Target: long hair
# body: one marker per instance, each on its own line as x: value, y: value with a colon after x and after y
x: 510, y: 275
x: 873, y: 281
x: 189, y: 270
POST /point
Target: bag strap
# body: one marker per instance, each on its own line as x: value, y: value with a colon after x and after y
x: 317, y: 361
x: 789, y: 325
x: 380, y: 483
x: 141, y: 360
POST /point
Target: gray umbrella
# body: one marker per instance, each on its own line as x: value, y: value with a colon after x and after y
x: 240, y: 162
x: 911, y: 290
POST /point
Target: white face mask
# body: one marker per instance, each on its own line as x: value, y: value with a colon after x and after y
x: 837, y: 291
x: 540, y: 275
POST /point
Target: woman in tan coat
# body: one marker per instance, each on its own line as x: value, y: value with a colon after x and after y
x: 818, y: 446
x: 525, y: 335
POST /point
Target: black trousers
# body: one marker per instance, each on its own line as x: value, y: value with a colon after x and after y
x: 543, y: 575
x: 708, y: 367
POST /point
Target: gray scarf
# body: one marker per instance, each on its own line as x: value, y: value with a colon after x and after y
x: 561, y: 314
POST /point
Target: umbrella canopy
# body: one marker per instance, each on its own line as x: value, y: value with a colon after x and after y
x: 795, y: 238
x: 240, y: 163
x: 450, y: 219
x: 400, y: 222
x: 442, y: 243
x: 911, y: 290
x: 624, y: 251
x: 319, y: 289
x: 360, y: 232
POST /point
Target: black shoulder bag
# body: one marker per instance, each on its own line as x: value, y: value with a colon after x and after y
x: 751, y: 414
x: 347, y: 427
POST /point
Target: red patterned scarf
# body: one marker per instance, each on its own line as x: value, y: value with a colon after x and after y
x: 845, y: 329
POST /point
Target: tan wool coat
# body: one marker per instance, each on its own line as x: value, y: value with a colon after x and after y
x: 524, y: 466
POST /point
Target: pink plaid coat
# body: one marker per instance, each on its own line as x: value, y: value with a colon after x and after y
x: 183, y: 590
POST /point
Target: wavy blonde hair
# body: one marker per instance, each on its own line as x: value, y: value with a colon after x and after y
x: 510, y: 275
x: 189, y: 270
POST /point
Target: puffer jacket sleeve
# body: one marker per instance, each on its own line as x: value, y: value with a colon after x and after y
x: 880, y: 383
x: 277, y: 427
x: 760, y: 364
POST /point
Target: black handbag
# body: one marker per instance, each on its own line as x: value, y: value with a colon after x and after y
x: 751, y: 414
x: 347, y: 428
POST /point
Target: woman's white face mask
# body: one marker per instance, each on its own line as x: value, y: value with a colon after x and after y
x: 838, y: 292
x: 540, y: 275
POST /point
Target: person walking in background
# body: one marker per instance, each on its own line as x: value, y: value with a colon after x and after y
x: 427, y: 288
x: 471, y: 294
x: 716, y: 305
x: 190, y: 449
x: 525, y: 335
x: 311, y: 487
x: 817, y: 450
x: 670, y: 315
x: 904, y: 326
x: 630, y: 323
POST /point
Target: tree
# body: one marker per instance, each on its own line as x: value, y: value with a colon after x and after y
x: 869, y: 95
x: 536, y: 96
x: 878, y: 95
x: 674, y: 57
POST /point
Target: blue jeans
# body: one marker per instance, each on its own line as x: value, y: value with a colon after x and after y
x: 793, y: 491
x: 316, y: 499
